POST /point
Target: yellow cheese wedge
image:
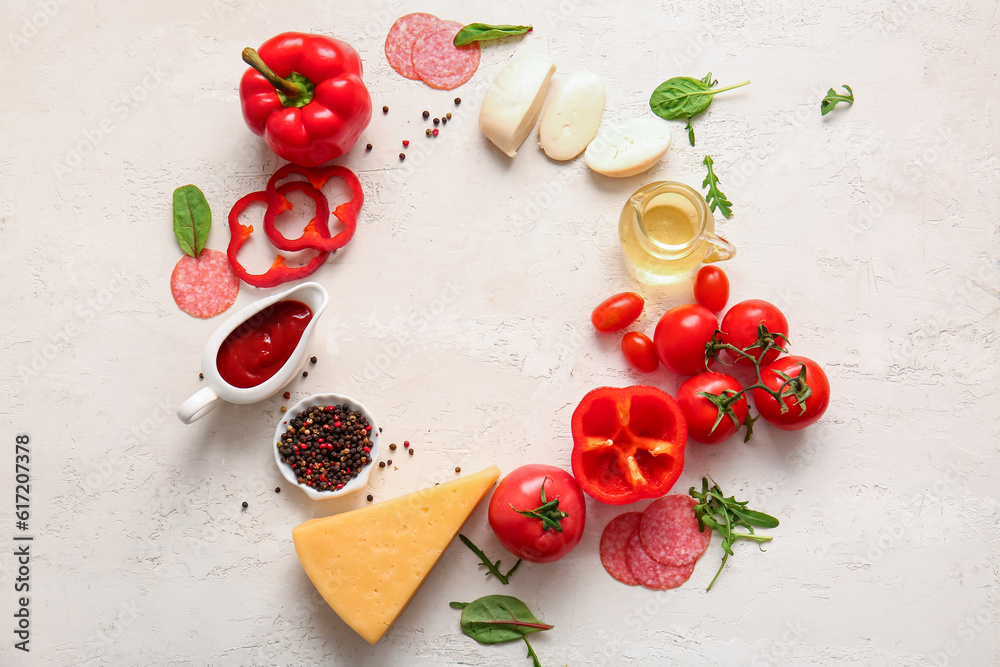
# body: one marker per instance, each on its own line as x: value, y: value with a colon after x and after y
x: 367, y: 564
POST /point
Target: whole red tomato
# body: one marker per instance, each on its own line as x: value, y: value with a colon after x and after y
x: 806, y: 397
x: 640, y: 351
x: 703, y: 414
x: 739, y: 329
x: 680, y: 338
x: 617, y: 312
x: 538, y: 513
x: 711, y: 288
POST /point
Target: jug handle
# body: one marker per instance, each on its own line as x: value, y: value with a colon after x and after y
x: 721, y: 248
x: 198, y: 405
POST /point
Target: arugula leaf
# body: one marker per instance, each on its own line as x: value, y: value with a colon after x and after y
x: 690, y: 131
x: 833, y: 98
x: 192, y: 219
x: 683, y: 97
x: 724, y: 515
x: 495, y: 619
x: 491, y: 567
x: 716, y: 198
x: 483, y: 32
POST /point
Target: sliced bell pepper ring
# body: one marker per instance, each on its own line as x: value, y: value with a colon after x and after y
x: 279, y: 272
x: 312, y: 236
x: 628, y: 444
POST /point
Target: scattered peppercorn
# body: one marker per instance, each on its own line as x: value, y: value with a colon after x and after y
x: 406, y: 142
x: 437, y: 120
x: 392, y: 446
x: 326, y: 446
x: 370, y: 497
x: 368, y: 147
x: 411, y: 451
x: 381, y: 464
x: 444, y: 121
x: 385, y: 109
x: 406, y: 443
x: 284, y: 409
x: 379, y: 429
x: 457, y: 469
x: 389, y: 462
x: 458, y: 100
x: 402, y: 156
x: 287, y: 395
x: 448, y: 115
x: 305, y: 374
x: 312, y: 360
x: 245, y: 504
x: 427, y: 131
x: 426, y: 114
x: 435, y: 132
x: 277, y: 489
x: 201, y: 376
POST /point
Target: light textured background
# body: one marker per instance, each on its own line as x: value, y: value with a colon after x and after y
x: 460, y: 316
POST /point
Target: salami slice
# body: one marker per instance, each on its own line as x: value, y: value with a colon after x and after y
x: 614, y: 542
x: 399, y: 41
x: 206, y: 286
x: 651, y: 574
x: 441, y: 64
x: 669, y: 531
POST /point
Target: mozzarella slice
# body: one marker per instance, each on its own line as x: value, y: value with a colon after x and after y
x: 513, y: 102
x: 629, y: 149
x: 571, y: 119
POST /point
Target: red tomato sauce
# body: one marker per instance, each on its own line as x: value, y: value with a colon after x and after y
x: 258, y: 348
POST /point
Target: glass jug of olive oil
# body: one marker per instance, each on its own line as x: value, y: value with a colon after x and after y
x: 667, y: 231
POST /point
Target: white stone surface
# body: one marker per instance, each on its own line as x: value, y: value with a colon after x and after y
x: 460, y: 316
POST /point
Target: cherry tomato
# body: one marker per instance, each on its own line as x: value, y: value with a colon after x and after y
x: 681, y: 335
x: 711, y: 288
x: 529, y: 537
x: 640, y: 351
x: 739, y: 328
x: 702, y: 413
x: 796, y: 416
x: 617, y: 312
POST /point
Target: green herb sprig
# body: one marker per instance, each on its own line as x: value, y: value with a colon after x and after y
x: 725, y: 515
x: 685, y: 97
x: 483, y: 32
x: 833, y: 98
x: 495, y: 619
x: 491, y: 567
x: 716, y: 198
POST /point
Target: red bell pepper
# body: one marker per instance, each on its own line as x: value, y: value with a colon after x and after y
x: 305, y: 96
x: 279, y: 272
x: 628, y: 444
x: 314, y: 236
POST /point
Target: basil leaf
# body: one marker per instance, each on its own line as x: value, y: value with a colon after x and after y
x: 683, y: 97
x: 483, y: 32
x: 495, y: 619
x: 192, y: 219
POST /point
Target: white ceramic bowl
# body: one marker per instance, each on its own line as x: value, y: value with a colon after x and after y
x: 356, y: 483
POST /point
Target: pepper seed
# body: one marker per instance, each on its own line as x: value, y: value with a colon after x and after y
x: 448, y: 115
x: 381, y: 464
x: 392, y: 446
x: 370, y: 497
x: 457, y: 469
x: 245, y: 504
x: 312, y: 360
x: 277, y: 489
x: 367, y: 148
x: 386, y: 109
x: 426, y: 114
x: 437, y: 121
x: 402, y: 156
x: 458, y: 100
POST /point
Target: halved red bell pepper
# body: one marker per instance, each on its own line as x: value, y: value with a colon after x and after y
x: 279, y: 272
x: 305, y: 96
x: 314, y: 236
x: 628, y: 444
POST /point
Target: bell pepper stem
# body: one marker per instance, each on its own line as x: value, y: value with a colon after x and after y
x: 289, y: 88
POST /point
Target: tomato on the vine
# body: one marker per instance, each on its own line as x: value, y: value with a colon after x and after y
x: 538, y: 513
x: 711, y: 288
x: 681, y: 335
x: 806, y: 396
x: 740, y: 325
x: 617, y: 312
x: 708, y: 421
x: 640, y: 351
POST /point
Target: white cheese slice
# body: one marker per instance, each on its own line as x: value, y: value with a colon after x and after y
x: 513, y: 102
x: 630, y: 148
x: 571, y: 119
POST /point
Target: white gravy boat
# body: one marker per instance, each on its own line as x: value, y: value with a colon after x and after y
x: 207, y: 399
